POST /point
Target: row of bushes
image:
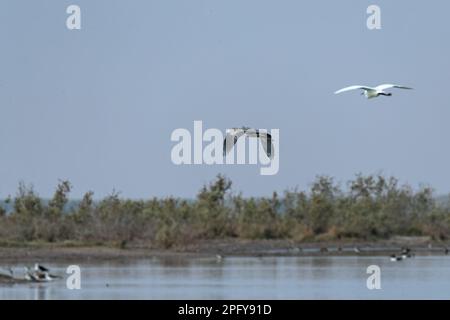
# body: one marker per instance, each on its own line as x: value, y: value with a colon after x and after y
x: 369, y: 208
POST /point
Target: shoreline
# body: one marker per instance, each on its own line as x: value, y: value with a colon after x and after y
x: 225, y: 247
x: 48, y: 254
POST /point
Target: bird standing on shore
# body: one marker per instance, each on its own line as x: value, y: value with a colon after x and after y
x: 38, y: 267
x: 29, y: 275
x: 394, y: 258
x: 406, y: 253
x: 39, y: 274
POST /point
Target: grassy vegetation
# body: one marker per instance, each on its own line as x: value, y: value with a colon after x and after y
x: 367, y: 208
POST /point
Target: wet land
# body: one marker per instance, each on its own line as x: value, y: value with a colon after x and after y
x: 216, y: 249
x: 227, y: 247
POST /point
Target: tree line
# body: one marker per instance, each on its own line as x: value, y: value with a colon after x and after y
x: 367, y: 208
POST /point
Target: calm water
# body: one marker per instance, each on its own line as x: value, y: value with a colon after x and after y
x: 424, y: 277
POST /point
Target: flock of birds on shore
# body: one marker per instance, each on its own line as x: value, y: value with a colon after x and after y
x: 37, y: 274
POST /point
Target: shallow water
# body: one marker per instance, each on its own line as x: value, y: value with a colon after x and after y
x: 422, y: 277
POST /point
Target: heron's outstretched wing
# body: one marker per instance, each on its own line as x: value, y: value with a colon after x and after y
x: 389, y: 86
x: 266, y: 141
x: 353, y: 88
x: 230, y: 139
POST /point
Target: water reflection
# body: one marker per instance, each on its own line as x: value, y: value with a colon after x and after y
x: 340, y: 277
x: 41, y: 292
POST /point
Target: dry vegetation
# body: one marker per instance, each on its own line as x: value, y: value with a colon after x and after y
x: 369, y: 208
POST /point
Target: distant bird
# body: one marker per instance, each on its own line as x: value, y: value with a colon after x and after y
x: 406, y: 253
x: 323, y: 249
x: 39, y: 274
x: 357, y: 250
x: 51, y: 277
x: 219, y: 258
x: 446, y: 250
x: 373, y: 92
x: 296, y: 250
x: 394, y: 258
x: 234, y: 134
x: 29, y: 275
x: 38, y: 267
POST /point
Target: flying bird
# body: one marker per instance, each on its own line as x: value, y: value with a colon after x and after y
x: 373, y: 92
x: 234, y: 134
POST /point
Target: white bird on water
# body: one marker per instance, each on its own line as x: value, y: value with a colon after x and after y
x: 39, y: 274
x: 234, y: 134
x: 373, y: 92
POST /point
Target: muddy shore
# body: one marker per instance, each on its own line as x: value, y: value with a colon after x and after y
x: 230, y: 247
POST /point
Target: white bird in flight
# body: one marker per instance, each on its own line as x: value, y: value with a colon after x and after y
x: 373, y: 92
x: 234, y: 134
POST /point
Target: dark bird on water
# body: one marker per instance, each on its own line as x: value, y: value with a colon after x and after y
x: 38, y: 267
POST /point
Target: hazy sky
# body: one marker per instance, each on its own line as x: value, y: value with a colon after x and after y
x: 97, y: 106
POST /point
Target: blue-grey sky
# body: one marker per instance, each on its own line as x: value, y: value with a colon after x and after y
x: 97, y: 106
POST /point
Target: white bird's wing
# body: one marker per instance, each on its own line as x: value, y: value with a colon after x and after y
x: 230, y: 139
x: 389, y: 86
x: 353, y: 88
x: 266, y: 141
x: 253, y: 133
